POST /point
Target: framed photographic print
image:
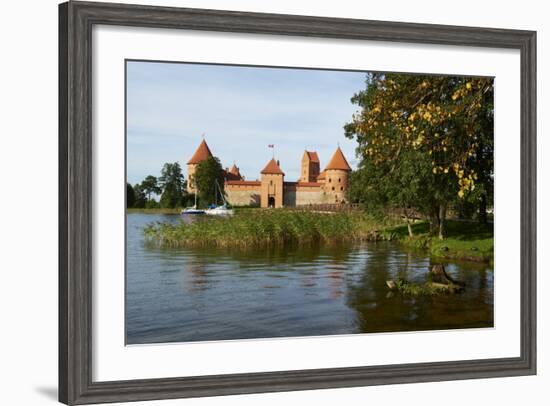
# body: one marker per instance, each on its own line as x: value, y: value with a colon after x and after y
x: 259, y: 202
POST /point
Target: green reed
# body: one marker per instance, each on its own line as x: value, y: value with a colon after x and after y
x: 266, y: 227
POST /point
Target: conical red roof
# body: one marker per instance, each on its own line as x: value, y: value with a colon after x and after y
x: 202, y: 153
x: 338, y: 161
x: 272, y: 168
x: 234, y: 170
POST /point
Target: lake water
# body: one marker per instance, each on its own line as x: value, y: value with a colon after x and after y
x: 177, y: 295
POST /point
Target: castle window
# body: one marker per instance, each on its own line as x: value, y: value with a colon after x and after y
x: 271, y: 182
x: 339, y: 180
x: 329, y: 180
x: 341, y: 188
x: 333, y: 188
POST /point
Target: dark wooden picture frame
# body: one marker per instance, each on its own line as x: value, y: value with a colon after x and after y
x: 76, y: 20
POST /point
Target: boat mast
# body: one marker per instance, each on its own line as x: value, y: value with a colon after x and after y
x: 221, y: 194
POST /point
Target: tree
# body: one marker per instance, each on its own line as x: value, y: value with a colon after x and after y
x: 152, y: 204
x: 139, y: 197
x: 444, y: 124
x: 150, y: 185
x: 406, y: 189
x: 172, y: 184
x: 209, y: 180
x: 130, y: 196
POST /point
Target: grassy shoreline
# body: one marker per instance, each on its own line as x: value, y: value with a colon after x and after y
x: 465, y: 240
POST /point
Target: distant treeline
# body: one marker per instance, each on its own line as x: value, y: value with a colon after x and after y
x: 171, y: 186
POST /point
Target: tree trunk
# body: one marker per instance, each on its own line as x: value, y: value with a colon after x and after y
x: 409, y: 226
x: 440, y: 276
x: 483, y: 209
x: 442, y: 215
x: 434, y: 221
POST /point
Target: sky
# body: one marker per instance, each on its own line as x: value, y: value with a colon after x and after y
x: 240, y: 111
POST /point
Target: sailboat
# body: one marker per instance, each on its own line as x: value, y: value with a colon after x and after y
x: 193, y: 209
x: 219, y: 210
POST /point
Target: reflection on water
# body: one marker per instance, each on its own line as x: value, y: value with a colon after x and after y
x: 216, y: 294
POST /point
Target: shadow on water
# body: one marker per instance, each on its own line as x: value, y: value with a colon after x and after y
x: 216, y: 294
x: 379, y: 310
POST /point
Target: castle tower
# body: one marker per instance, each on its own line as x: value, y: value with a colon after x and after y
x: 271, y: 193
x: 336, y: 177
x: 202, y: 153
x: 310, y: 167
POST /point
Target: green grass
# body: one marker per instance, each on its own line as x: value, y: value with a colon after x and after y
x: 267, y: 227
x: 464, y: 240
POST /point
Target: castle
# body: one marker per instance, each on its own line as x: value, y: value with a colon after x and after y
x: 313, y: 187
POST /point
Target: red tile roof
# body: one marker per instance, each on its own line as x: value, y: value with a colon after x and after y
x: 308, y: 184
x: 272, y: 168
x: 235, y: 170
x: 233, y: 173
x: 231, y: 176
x: 244, y: 182
x: 202, y: 153
x: 338, y: 161
x: 312, y: 155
